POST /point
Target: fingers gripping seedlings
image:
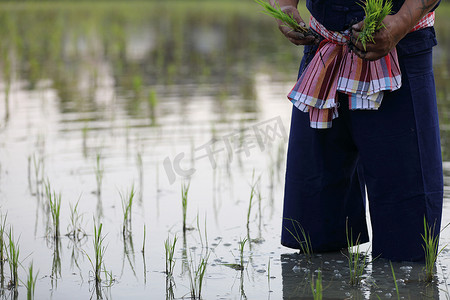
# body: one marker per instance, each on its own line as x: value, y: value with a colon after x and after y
x: 288, y: 20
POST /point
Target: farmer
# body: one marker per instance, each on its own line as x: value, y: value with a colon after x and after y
x: 341, y: 148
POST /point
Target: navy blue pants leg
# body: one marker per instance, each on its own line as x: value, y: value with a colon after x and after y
x: 323, y: 192
x: 397, y: 151
x: 399, y: 147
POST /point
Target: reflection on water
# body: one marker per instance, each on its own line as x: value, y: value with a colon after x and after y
x: 377, y: 281
x: 100, y: 97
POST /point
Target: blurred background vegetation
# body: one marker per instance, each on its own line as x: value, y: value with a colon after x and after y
x: 142, y: 50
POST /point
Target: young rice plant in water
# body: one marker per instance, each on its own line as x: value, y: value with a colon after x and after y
x: 31, y: 282
x: 169, y: 247
x: 302, y: 238
x: 316, y: 286
x: 54, y: 201
x: 13, y: 259
x: 97, y: 262
x: 184, y: 201
x: 430, y: 246
x: 357, y: 262
x: 127, y: 204
x: 197, y: 275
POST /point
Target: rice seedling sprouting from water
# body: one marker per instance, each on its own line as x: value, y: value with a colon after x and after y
x: 12, y: 253
x: 197, y: 273
x: 54, y: 201
x: 2, y: 246
x: 301, y: 237
x: 395, y: 282
x: 357, y: 262
x: 98, y: 260
x: 430, y: 246
x: 127, y: 204
x: 184, y: 201
x: 74, y: 229
x: 375, y: 12
x: 316, y: 286
x: 31, y: 282
x: 169, y: 247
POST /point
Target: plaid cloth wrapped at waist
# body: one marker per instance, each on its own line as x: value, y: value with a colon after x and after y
x: 335, y: 69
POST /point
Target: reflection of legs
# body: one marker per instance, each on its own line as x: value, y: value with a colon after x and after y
x: 322, y: 187
x: 400, y: 151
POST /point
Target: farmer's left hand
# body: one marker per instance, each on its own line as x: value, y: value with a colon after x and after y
x: 385, y: 39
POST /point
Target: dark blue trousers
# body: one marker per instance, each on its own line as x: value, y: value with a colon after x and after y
x: 393, y: 152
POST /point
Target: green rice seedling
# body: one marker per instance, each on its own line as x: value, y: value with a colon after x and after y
x: 99, y: 171
x: 2, y: 244
x: 197, y: 275
x: 277, y: 13
x: 241, y: 252
x: 169, y: 247
x: 317, y: 287
x: 357, y: 262
x: 303, y: 239
x: 375, y: 12
x: 184, y: 201
x: 395, y: 281
x: 31, y: 282
x: 12, y: 253
x: 127, y: 204
x: 99, y: 253
x: 239, y: 266
x: 74, y: 228
x: 54, y: 201
x: 170, y: 285
x: 430, y: 246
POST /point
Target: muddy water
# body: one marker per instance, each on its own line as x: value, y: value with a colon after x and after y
x: 155, y: 98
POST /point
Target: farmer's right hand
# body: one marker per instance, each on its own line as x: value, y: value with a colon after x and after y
x: 297, y: 38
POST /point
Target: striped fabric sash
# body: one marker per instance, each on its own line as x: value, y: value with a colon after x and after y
x: 334, y: 68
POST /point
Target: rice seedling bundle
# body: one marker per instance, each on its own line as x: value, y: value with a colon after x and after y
x: 375, y: 12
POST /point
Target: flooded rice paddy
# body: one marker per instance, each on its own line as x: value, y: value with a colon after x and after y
x: 120, y: 111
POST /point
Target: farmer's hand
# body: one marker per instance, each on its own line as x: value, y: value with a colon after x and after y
x: 385, y: 39
x: 295, y: 37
